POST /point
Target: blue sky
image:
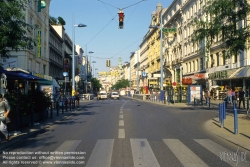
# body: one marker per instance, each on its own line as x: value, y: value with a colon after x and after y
x: 102, y: 35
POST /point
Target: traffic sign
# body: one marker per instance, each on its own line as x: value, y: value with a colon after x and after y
x: 174, y: 83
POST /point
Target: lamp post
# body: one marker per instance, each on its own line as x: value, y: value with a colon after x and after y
x: 86, y: 69
x: 73, y: 57
x: 138, y: 77
x: 93, y: 62
x: 161, y: 52
x: 65, y: 74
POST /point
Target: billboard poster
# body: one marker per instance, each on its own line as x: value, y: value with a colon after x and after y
x: 10, y: 62
x: 194, y: 92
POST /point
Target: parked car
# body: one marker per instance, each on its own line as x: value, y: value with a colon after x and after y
x: 114, y: 95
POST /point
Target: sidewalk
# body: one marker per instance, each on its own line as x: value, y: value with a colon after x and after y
x: 25, y: 132
x: 242, y: 139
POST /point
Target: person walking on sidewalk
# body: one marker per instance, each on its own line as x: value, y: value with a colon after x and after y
x: 242, y: 97
x: 229, y: 96
x: 233, y: 96
x: 3, y: 114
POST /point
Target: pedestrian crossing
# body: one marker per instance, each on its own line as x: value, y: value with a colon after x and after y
x: 115, y: 100
x: 144, y: 156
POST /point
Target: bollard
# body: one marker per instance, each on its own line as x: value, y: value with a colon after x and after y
x: 235, y: 119
x: 51, y: 115
x: 209, y: 102
x: 194, y: 101
x: 221, y: 115
x: 57, y: 108
x: 31, y: 115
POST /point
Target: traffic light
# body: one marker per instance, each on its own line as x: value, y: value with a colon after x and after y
x: 108, y: 63
x: 121, y: 19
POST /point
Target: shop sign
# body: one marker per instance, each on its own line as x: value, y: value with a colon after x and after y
x: 199, y: 76
x: 186, y: 81
x: 153, y: 83
x: 43, y: 76
x: 218, y: 75
x: 39, y: 43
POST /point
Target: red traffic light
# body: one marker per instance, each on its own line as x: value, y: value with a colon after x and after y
x: 121, y: 19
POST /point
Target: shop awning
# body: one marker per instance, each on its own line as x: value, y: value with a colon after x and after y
x: 18, y: 75
x: 242, y: 73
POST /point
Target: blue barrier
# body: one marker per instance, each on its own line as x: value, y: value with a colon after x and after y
x: 221, y: 115
x: 224, y: 109
x: 235, y: 119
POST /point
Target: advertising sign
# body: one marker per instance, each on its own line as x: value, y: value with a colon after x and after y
x: 194, y: 92
x: 10, y: 62
x: 39, y: 43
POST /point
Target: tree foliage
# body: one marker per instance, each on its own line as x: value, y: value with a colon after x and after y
x: 224, y: 22
x: 96, y: 84
x: 120, y: 84
x: 56, y: 21
x: 13, y: 27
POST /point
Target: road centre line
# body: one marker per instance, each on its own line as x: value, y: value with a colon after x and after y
x: 121, y: 116
x: 121, y: 123
x: 121, y: 134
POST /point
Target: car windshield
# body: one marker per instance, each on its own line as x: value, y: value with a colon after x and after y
x: 103, y: 93
x: 114, y: 93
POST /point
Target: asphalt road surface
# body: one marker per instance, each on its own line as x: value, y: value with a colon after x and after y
x: 127, y: 133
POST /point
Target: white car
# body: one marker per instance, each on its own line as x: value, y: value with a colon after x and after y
x: 102, y: 95
x: 114, y: 95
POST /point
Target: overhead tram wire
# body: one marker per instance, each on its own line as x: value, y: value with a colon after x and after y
x: 101, y: 30
x: 124, y: 7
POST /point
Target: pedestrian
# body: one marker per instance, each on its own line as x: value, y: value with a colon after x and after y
x: 229, y: 95
x: 3, y: 114
x: 77, y: 98
x: 242, y: 97
x: 233, y: 96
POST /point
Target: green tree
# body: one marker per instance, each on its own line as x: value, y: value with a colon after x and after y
x: 61, y: 21
x: 13, y: 27
x: 120, y: 84
x: 96, y: 84
x: 223, y: 22
x: 52, y: 20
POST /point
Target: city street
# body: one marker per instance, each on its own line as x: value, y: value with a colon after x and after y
x: 127, y: 133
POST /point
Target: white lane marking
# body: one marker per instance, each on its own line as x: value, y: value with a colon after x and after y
x: 121, y: 134
x: 121, y: 112
x: 143, y: 155
x: 184, y: 154
x: 220, y: 152
x: 102, y: 153
x: 67, y: 146
x: 121, y: 123
x: 121, y: 116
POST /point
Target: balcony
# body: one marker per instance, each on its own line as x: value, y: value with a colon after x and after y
x: 179, y: 61
x: 167, y: 64
x: 174, y: 62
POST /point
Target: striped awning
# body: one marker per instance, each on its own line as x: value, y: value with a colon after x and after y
x: 242, y: 73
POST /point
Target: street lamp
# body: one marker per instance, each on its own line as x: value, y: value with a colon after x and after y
x: 65, y: 74
x: 86, y: 69
x: 161, y: 56
x: 93, y: 62
x: 73, y: 57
